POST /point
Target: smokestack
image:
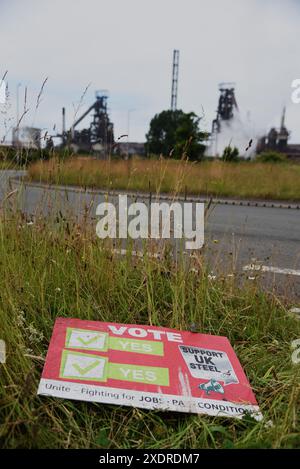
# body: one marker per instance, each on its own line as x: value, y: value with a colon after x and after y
x: 283, y: 118
x: 63, y: 122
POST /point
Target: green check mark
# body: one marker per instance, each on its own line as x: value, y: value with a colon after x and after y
x: 89, y: 341
x: 86, y: 369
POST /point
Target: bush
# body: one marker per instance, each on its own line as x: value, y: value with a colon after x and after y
x: 230, y: 154
x: 271, y: 157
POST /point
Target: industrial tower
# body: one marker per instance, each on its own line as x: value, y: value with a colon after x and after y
x: 175, y: 70
x: 99, y: 136
x: 226, y: 107
x: 276, y: 139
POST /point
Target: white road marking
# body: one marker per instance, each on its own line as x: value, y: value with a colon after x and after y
x: 274, y: 270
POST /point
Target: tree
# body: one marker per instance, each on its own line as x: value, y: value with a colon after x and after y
x: 173, y: 133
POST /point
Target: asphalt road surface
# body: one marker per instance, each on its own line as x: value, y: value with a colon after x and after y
x: 261, y: 242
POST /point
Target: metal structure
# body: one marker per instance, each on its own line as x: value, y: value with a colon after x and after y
x: 276, y: 139
x: 175, y: 72
x: 283, y: 134
x: 98, y: 137
x: 226, y: 107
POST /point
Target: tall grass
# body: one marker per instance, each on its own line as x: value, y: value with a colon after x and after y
x: 247, y: 179
x: 56, y: 268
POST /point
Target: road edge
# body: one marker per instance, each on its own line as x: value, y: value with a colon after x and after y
x: 143, y: 195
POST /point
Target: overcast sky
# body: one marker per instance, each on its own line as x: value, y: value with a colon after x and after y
x: 125, y: 46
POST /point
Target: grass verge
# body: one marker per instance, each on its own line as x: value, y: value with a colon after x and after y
x: 216, y: 178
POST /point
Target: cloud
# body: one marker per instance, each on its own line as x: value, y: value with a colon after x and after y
x: 126, y: 47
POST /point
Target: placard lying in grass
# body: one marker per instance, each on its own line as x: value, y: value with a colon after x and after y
x: 147, y: 367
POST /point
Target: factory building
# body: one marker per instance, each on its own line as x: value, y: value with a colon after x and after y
x: 277, y: 140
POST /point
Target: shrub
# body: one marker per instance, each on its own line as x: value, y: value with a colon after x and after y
x: 271, y: 157
x: 230, y: 154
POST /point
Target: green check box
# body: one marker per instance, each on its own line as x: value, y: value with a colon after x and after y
x: 83, y: 366
x: 86, y: 339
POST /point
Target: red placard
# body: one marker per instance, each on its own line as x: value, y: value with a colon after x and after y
x: 147, y: 367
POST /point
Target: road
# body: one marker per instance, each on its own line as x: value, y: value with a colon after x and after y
x: 251, y: 240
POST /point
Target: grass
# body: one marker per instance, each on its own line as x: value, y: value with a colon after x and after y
x: 216, y: 178
x: 56, y: 268
x: 8, y: 165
